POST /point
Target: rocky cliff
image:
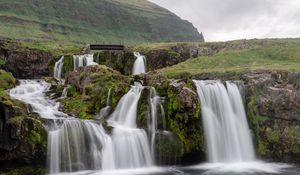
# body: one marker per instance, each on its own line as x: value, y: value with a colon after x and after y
x: 273, y: 102
x: 24, y: 62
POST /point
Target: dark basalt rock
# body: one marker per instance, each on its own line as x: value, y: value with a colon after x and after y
x: 23, y: 62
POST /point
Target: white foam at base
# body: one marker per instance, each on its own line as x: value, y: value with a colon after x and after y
x: 243, y: 167
x: 138, y: 171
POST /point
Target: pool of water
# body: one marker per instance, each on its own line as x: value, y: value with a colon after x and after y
x: 251, y: 168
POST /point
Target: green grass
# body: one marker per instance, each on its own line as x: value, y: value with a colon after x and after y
x: 101, y: 21
x: 271, y: 55
x: 55, y: 48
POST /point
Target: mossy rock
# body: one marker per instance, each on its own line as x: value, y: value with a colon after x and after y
x: 6, y: 80
x: 89, y: 87
x: 275, y: 139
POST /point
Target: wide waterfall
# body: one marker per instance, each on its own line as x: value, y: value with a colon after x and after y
x: 79, y: 145
x: 83, y: 60
x: 73, y: 144
x: 139, y: 65
x: 58, y: 68
x: 131, y: 145
x: 227, y: 133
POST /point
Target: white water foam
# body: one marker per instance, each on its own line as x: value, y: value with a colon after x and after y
x: 32, y: 92
x: 243, y: 167
x: 139, y: 66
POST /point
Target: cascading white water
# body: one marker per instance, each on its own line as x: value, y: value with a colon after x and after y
x: 104, y: 112
x: 227, y: 133
x: 73, y: 144
x: 83, y: 60
x: 79, y: 145
x: 58, y: 68
x: 32, y: 92
x: 64, y: 93
x: 139, y: 66
x: 131, y: 146
x: 155, y: 106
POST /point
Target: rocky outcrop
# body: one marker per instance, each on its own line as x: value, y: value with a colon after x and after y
x: 89, y: 88
x: 274, y: 114
x: 121, y: 61
x: 24, y: 62
x: 22, y: 134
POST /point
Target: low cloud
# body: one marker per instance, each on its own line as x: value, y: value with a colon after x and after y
x: 238, y: 19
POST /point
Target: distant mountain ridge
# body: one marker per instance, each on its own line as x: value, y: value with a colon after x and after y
x: 86, y: 21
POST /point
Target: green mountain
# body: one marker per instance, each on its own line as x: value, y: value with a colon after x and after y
x: 86, y: 21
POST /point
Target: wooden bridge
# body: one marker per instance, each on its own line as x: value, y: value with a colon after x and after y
x: 106, y: 47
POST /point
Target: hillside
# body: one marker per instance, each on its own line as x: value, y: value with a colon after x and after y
x: 106, y: 21
x: 238, y: 57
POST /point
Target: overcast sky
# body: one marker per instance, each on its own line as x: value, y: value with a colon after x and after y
x: 221, y: 20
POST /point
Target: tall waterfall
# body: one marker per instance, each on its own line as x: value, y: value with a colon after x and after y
x: 139, y: 65
x: 58, y: 67
x: 131, y: 145
x: 83, y: 60
x: 156, y: 110
x: 227, y: 133
x: 104, y: 112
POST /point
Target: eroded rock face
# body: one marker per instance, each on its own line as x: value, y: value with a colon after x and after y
x: 182, y: 109
x: 89, y: 88
x: 121, y: 61
x: 274, y: 113
x: 23, y: 62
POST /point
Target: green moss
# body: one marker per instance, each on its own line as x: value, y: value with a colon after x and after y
x: 16, y: 121
x: 184, y: 123
x: 27, y: 170
x: 37, y: 136
x: 291, y: 137
x: 6, y: 80
x: 2, y: 62
x: 273, y: 135
x: 68, y: 63
x: 262, y: 148
x: 34, y: 138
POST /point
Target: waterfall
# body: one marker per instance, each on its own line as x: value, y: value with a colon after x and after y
x: 79, y: 145
x: 83, y: 60
x: 104, y: 112
x: 32, y: 92
x: 139, y: 64
x: 131, y: 144
x: 155, y: 106
x: 58, y: 68
x: 64, y: 93
x: 226, y: 129
x: 73, y: 144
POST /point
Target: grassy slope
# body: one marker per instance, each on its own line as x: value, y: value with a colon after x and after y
x: 282, y: 54
x: 108, y: 21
